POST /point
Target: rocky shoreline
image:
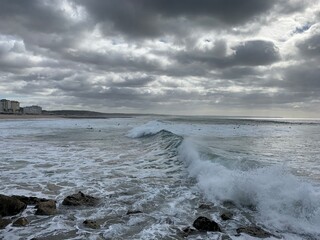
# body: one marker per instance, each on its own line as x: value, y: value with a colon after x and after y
x: 12, y: 207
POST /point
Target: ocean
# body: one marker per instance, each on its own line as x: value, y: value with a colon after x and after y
x: 266, y: 172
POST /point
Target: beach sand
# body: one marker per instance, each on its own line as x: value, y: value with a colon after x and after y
x: 17, y: 117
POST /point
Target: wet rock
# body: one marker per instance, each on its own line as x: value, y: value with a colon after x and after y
x: 130, y: 212
x: 229, y: 204
x: 185, y: 232
x: 30, y: 200
x: 204, y: 206
x: 168, y: 221
x: 205, y: 224
x: 226, y: 216
x: 91, y: 224
x: 10, y: 206
x: 20, y: 222
x: 254, y: 231
x: 4, y: 223
x: 46, y: 208
x: 80, y: 199
x: 226, y: 237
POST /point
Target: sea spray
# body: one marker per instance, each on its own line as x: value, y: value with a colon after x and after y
x: 280, y: 200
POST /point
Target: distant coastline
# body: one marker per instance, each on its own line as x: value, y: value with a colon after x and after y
x: 67, y: 114
x: 25, y: 116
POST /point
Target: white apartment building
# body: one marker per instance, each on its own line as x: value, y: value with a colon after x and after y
x: 36, y: 110
x: 7, y: 106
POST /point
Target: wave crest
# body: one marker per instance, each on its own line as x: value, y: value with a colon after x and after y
x: 279, y: 199
x: 148, y: 129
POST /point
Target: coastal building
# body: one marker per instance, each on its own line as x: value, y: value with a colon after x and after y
x: 7, y: 106
x: 36, y: 110
x: 15, y: 106
x: 1, y: 106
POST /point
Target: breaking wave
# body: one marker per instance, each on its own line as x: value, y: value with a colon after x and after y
x: 272, y: 195
x: 276, y: 198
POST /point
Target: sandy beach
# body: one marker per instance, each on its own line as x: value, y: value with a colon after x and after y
x: 17, y: 117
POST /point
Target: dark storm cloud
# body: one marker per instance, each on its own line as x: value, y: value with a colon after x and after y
x: 144, y: 18
x: 255, y: 53
x: 248, y: 53
x: 109, y: 97
x: 35, y: 15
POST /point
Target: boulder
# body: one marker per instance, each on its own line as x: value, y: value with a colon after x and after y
x: 204, y: 206
x: 205, y: 224
x: 254, y: 231
x: 91, y: 224
x: 30, y: 200
x: 130, y: 212
x: 80, y: 199
x: 4, y: 223
x: 46, y: 208
x: 20, y: 222
x: 226, y: 216
x: 185, y: 232
x: 10, y: 206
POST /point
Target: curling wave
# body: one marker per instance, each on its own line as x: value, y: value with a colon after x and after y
x: 276, y: 198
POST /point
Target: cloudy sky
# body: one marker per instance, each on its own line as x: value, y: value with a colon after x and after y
x: 209, y: 57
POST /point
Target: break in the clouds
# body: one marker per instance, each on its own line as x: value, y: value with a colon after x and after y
x: 226, y: 57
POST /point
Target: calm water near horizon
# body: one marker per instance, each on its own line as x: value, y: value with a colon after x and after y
x: 265, y: 171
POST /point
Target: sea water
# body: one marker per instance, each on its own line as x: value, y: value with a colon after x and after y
x: 265, y: 171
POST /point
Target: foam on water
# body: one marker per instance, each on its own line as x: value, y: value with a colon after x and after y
x: 53, y: 159
x: 164, y: 169
x: 279, y: 200
x: 264, y: 188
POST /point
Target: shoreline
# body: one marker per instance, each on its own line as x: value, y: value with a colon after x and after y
x: 58, y: 116
x: 23, y: 117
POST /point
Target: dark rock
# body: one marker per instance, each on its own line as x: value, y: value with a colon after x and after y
x: 46, y: 208
x: 30, y: 200
x: 205, y: 224
x: 229, y: 204
x: 168, y: 221
x: 20, y: 222
x: 226, y: 216
x: 4, y: 223
x: 130, y: 212
x: 204, y: 206
x: 80, y: 199
x: 226, y: 237
x: 254, y: 231
x: 187, y: 231
x: 91, y: 224
x: 10, y: 206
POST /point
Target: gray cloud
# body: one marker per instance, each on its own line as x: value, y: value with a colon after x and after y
x: 303, y: 78
x: 145, y: 18
x: 248, y: 53
x: 310, y: 47
x: 160, y: 55
x: 255, y: 53
x: 35, y: 15
x: 133, y: 82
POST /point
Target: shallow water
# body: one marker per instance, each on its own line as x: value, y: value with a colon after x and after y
x: 265, y: 172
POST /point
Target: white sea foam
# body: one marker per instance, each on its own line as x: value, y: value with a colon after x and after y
x: 53, y: 159
x: 283, y: 201
x: 147, y: 129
